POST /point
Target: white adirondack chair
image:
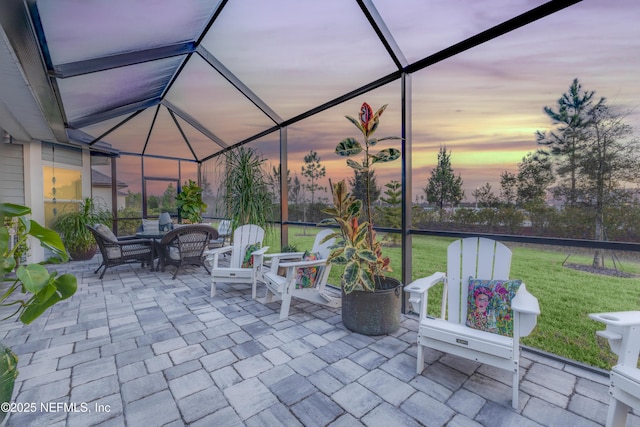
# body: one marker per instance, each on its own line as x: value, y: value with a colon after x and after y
x: 623, y: 333
x: 287, y: 287
x: 244, y: 237
x: 479, y: 258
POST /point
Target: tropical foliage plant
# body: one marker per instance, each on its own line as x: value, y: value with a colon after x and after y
x: 189, y: 202
x: 245, y: 189
x: 72, y: 228
x: 359, y: 249
x: 41, y: 289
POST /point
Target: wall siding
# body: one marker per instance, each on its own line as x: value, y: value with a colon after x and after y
x: 11, y: 174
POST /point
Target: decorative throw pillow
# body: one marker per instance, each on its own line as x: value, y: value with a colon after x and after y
x: 489, y: 305
x: 113, y: 252
x: 306, y: 277
x: 105, y: 231
x: 247, y: 260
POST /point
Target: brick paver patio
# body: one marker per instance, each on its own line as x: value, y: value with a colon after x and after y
x: 140, y: 349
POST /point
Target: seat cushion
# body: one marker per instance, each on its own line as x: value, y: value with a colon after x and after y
x: 114, y: 252
x: 489, y: 305
x: 174, y: 252
x: 306, y: 277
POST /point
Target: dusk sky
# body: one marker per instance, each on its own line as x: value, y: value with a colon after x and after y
x: 484, y: 104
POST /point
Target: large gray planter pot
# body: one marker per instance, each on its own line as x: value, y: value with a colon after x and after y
x: 374, y: 313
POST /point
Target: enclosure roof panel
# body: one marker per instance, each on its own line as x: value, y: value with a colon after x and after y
x: 206, y: 75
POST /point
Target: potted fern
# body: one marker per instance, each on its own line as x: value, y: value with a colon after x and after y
x: 29, y: 290
x: 371, y: 301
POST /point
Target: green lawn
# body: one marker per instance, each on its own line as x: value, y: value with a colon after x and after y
x: 566, y: 295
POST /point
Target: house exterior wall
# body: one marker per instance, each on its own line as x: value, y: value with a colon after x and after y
x: 33, y: 193
x: 11, y: 173
x: 22, y: 180
x: 103, y: 194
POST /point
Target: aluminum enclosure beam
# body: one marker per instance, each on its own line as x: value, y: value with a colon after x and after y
x: 196, y: 124
x: 21, y: 39
x: 385, y: 36
x: 238, y: 84
x: 114, y: 112
x: 78, y: 68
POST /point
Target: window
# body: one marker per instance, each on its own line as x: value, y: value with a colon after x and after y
x: 62, y: 191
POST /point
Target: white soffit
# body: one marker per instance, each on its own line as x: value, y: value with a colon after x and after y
x: 20, y: 113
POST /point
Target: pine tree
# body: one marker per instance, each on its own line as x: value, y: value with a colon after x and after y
x: 568, y: 139
x: 533, y: 179
x: 444, y: 188
x: 391, y: 212
x: 485, y: 198
x: 594, y: 153
x: 313, y: 171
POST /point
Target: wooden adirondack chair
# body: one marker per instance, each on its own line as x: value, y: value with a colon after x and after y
x: 477, y: 258
x: 623, y: 333
x: 304, y: 279
x: 246, y: 258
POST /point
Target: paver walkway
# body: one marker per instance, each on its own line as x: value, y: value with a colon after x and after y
x: 140, y: 349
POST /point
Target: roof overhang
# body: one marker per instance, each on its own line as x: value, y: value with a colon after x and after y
x: 28, y: 106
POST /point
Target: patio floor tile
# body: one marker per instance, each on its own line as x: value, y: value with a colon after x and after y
x: 141, y: 349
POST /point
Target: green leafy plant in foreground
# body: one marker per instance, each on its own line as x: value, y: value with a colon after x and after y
x: 41, y: 289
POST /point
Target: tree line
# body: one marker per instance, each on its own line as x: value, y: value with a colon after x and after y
x: 580, y: 183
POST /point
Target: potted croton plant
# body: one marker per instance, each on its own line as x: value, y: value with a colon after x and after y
x: 371, y: 301
x: 26, y: 290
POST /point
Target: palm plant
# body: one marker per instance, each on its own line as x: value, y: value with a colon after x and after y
x: 245, y: 189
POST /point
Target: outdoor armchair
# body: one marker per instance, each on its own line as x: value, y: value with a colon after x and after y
x: 483, y: 313
x: 301, y: 275
x: 123, y: 250
x: 246, y: 252
x: 185, y: 245
x: 623, y: 334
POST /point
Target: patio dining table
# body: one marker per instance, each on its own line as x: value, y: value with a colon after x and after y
x: 155, y: 236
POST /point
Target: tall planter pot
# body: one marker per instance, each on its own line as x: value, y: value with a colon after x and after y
x: 8, y: 375
x: 374, y: 313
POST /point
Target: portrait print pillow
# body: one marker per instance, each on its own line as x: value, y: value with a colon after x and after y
x: 489, y: 305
